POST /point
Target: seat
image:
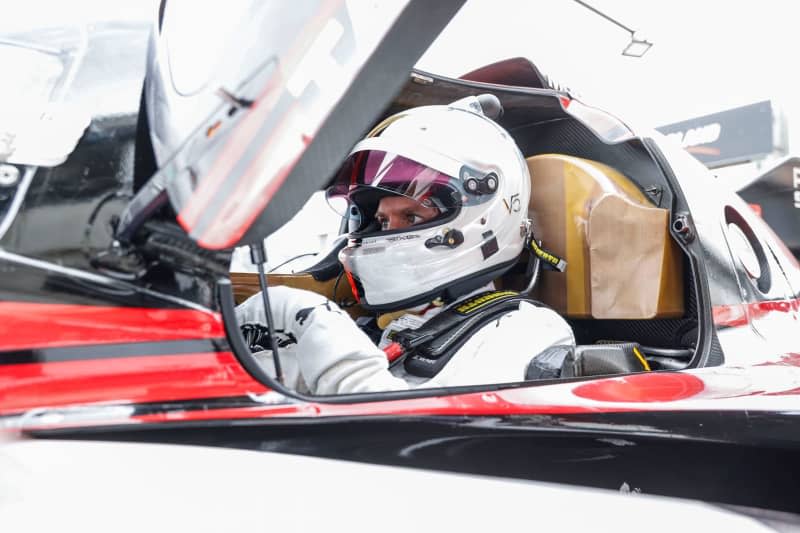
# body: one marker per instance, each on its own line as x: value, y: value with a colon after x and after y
x: 622, y: 261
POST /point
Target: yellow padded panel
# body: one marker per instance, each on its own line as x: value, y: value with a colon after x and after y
x: 564, y: 194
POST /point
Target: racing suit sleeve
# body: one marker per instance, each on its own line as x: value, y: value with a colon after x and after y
x: 333, y: 354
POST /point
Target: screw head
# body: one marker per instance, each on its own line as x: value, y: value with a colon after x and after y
x: 9, y: 175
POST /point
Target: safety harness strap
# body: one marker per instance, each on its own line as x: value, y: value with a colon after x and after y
x: 429, y: 348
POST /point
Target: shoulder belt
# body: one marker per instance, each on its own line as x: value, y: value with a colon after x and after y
x: 429, y: 347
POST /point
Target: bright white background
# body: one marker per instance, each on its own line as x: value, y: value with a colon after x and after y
x: 707, y: 56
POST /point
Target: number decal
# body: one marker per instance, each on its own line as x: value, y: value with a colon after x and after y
x: 513, y: 203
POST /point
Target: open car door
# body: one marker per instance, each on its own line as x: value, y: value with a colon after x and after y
x: 273, y: 108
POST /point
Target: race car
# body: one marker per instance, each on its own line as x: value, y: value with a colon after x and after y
x: 118, y: 312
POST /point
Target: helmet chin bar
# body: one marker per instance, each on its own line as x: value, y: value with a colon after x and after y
x: 258, y: 255
x: 449, y: 292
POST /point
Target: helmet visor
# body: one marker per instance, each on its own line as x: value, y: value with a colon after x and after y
x: 395, y: 175
x: 372, y: 175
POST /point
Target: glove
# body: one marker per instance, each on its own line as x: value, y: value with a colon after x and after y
x: 333, y: 354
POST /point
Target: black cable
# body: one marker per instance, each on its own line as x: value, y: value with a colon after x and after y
x: 336, y: 286
x: 668, y: 363
x: 290, y: 260
x: 259, y: 256
x: 678, y: 353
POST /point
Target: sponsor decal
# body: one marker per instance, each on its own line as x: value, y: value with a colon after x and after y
x: 402, y: 237
x: 732, y: 136
x: 696, y: 136
x: 373, y: 250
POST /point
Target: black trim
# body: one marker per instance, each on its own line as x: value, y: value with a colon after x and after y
x: 764, y: 280
x: 489, y: 247
x: 161, y: 7
x: 707, y: 350
x: 194, y: 404
x: 240, y: 349
x: 144, y: 158
x: 151, y: 408
x: 112, y: 351
x: 47, y: 283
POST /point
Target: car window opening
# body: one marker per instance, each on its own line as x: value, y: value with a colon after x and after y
x: 601, y: 255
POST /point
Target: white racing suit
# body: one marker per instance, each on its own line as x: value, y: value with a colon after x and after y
x: 322, y: 350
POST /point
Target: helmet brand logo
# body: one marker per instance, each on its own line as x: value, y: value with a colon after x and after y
x: 513, y: 203
x: 402, y: 237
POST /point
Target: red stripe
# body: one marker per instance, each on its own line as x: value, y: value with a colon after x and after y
x: 243, y: 135
x: 787, y: 359
x: 647, y: 387
x: 741, y: 314
x: 452, y: 406
x: 234, y: 149
x: 730, y: 315
x: 33, y: 325
x: 129, y: 380
x: 233, y: 215
x: 469, y: 404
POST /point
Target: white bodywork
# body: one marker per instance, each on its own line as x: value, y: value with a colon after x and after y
x: 96, y: 486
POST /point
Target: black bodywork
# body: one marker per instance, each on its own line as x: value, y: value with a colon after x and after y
x: 736, y: 458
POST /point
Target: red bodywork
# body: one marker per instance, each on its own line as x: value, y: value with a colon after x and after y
x: 183, y: 383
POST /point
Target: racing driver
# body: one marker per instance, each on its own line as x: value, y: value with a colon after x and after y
x: 436, y: 199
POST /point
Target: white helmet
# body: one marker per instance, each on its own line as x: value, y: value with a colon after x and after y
x: 465, y: 172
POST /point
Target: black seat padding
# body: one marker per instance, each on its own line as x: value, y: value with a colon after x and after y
x: 548, y: 364
x: 564, y: 361
x: 602, y: 359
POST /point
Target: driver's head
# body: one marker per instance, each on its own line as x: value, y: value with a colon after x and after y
x: 436, y: 201
x: 389, y: 192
